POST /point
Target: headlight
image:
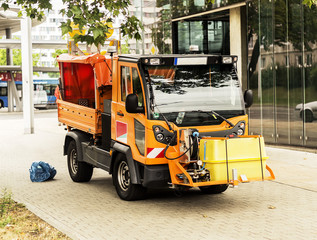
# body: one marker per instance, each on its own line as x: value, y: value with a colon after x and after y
x: 160, y: 137
x: 240, y: 131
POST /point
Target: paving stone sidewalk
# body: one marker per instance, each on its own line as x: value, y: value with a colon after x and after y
x: 281, y: 209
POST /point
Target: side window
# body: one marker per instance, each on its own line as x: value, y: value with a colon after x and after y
x: 19, y: 87
x: 137, y: 87
x: 3, y: 91
x: 126, y: 86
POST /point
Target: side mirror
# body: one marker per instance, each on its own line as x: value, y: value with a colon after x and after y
x: 131, y: 104
x: 248, y: 98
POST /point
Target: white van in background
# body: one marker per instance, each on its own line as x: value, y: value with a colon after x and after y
x: 40, y: 98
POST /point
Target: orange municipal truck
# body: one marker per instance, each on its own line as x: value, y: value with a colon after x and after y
x: 158, y: 120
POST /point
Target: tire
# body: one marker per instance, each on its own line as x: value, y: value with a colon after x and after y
x: 1, y: 104
x: 78, y: 171
x: 309, y: 117
x: 122, y: 181
x: 214, y: 189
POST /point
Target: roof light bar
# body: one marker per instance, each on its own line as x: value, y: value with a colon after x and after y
x: 190, y: 61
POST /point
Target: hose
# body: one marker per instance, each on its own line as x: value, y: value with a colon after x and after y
x: 168, y: 145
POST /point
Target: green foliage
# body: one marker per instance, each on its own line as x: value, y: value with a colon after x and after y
x: 57, y: 53
x: 33, y: 8
x: 90, y: 16
x: 6, y: 203
x: 288, y: 77
x: 17, y: 59
x: 309, y: 3
x: 125, y: 48
x: 3, y: 57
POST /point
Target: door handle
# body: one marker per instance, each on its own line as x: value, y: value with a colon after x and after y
x: 120, y: 114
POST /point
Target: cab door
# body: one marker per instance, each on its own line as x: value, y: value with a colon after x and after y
x: 130, y: 128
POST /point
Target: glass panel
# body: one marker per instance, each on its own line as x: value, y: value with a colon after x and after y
x: 310, y: 66
x: 163, y: 37
x: 167, y: 37
x: 19, y: 87
x: 165, y: 9
x: 255, y: 120
x: 123, y: 83
x: 137, y: 87
x: 266, y: 74
x: 3, y: 91
x: 139, y: 136
x: 281, y: 57
x: 179, y: 8
x: 126, y: 85
x: 295, y: 71
x: 196, y: 6
x: 129, y: 82
x: 260, y: 71
x: 183, y: 37
x: 187, y: 7
x: 218, y: 37
x: 196, y: 35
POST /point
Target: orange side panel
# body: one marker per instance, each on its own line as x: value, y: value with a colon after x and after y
x: 79, y: 117
x: 86, y: 59
x: 103, y: 73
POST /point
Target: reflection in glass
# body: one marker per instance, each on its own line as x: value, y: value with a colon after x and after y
x: 214, y: 34
x: 196, y: 35
x: 281, y: 72
x: 309, y: 113
x: 183, y: 37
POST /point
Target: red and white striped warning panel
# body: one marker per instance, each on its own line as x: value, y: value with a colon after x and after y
x: 155, y: 152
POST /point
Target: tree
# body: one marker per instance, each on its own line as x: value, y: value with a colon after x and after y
x: 16, y: 57
x: 94, y: 16
x: 54, y: 55
x: 57, y: 53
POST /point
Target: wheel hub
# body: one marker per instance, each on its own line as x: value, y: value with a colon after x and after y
x: 124, y: 176
x: 73, y: 161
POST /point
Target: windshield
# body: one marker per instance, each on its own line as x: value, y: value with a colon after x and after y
x: 181, y: 91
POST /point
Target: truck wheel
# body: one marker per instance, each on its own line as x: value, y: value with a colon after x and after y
x: 78, y: 171
x: 122, y: 181
x: 214, y: 189
x: 1, y: 104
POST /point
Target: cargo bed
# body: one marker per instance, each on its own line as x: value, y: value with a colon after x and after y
x: 79, y: 117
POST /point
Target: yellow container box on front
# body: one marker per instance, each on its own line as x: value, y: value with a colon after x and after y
x: 245, y: 154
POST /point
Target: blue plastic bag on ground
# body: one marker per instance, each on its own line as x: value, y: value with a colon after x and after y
x: 41, y: 171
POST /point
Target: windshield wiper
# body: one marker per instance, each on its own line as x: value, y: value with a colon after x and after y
x: 165, y: 119
x: 212, y: 113
x: 164, y: 104
x: 152, y: 102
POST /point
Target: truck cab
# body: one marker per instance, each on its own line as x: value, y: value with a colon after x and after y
x: 154, y: 121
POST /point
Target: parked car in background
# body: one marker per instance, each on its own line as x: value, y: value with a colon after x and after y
x: 40, y: 99
x: 309, y: 110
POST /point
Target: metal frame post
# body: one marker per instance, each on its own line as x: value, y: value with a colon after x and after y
x: 27, y: 75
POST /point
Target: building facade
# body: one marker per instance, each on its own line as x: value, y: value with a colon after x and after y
x: 276, y: 42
